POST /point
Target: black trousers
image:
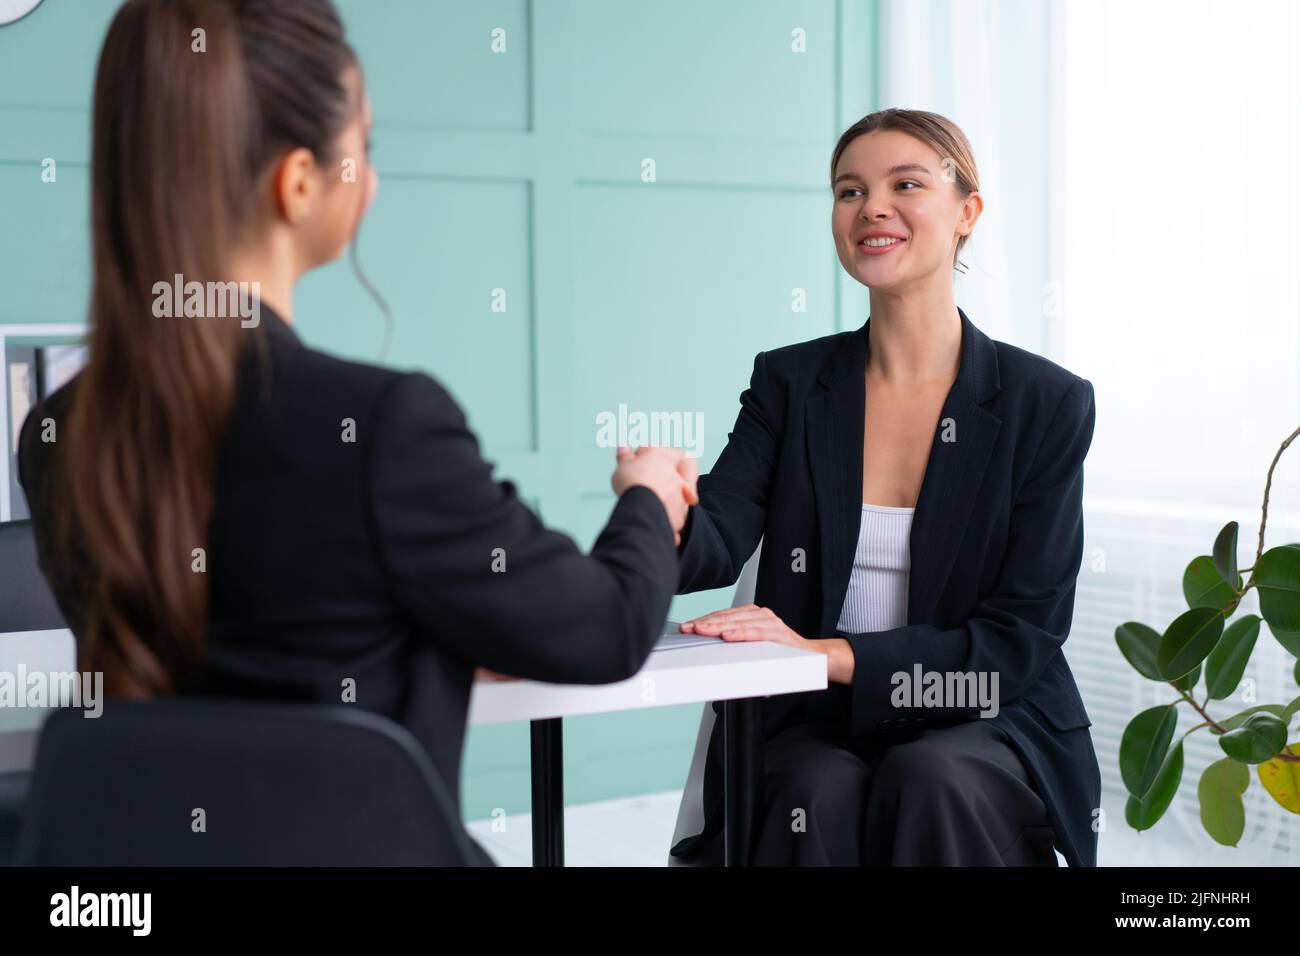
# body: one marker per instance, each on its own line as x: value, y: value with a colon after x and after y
x: 942, y: 796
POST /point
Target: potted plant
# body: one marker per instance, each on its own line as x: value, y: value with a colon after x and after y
x: 1201, y: 650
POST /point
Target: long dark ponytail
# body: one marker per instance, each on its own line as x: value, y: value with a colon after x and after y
x: 194, y: 99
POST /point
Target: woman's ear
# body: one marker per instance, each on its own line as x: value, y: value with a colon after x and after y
x: 295, y: 186
x: 972, y: 207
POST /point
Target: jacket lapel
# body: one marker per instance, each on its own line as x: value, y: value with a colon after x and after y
x: 835, y: 418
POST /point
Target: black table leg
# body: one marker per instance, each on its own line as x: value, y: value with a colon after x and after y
x: 547, y: 745
x: 742, y: 777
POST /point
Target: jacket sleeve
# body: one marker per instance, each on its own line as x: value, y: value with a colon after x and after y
x: 722, y: 531
x: 1020, y: 627
x: 477, y: 571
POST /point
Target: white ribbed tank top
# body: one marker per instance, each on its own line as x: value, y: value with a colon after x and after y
x: 877, y: 595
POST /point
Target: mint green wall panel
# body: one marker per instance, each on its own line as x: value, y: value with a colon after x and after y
x: 679, y: 287
x: 44, y: 243
x: 431, y: 62
x: 48, y: 58
x: 721, y: 69
x: 436, y: 250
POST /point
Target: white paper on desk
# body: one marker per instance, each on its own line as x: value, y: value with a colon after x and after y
x: 672, y: 638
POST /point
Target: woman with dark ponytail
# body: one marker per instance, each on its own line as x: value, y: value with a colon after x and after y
x: 222, y: 509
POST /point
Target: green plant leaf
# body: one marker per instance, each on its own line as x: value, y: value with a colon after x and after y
x: 1225, y: 552
x: 1227, y: 662
x: 1262, y: 736
x: 1203, y: 587
x: 1277, y: 577
x: 1236, y: 720
x: 1281, y: 778
x: 1188, y: 681
x: 1138, y: 644
x: 1220, y: 790
x: 1188, y: 641
x: 1143, y: 813
x: 1288, y: 639
x: 1144, y: 745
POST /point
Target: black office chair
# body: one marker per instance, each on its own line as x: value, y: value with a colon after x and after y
x: 26, y: 604
x: 214, y: 782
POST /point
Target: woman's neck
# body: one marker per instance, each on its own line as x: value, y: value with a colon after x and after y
x: 272, y: 272
x: 915, y: 340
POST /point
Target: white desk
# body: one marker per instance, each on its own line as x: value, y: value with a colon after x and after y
x: 734, y: 672
x: 684, y: 675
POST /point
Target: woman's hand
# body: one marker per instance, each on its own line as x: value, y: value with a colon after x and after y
x: 748, y: 623
x: 754, y: 623
x: 482, y: 673
x: 668, y: 472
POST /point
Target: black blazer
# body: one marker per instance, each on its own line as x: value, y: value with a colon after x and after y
x: 373, y: 559
x: 996, y: 545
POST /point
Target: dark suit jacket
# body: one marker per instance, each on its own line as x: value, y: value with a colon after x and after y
x: 996, y: 544
x: 373, y: 559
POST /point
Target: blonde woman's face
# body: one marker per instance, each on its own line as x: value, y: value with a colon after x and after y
x: 891, y: 183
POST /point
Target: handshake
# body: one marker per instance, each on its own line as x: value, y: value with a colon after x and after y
x: 668, y: 472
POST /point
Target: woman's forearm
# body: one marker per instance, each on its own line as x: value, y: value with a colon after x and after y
x: 839, y: 658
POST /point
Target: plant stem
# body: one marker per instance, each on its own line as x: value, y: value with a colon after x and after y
x: 1259, y: 552
x: 1268, y: 484
x: 1200, y: 709
x: 1211, y: 722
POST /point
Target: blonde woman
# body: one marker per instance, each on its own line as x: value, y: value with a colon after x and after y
x: 917, y: 488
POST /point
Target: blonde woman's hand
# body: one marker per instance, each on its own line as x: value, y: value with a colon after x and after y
x: 668, y: 472
x: 754, y: 623
x: 748, y: 623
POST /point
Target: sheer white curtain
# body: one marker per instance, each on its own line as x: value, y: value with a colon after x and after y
x: 1179, y: 259
x: 983, y: 64
x: 1182, y: 190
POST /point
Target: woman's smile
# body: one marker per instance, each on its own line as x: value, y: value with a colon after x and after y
x: 879, y: 247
